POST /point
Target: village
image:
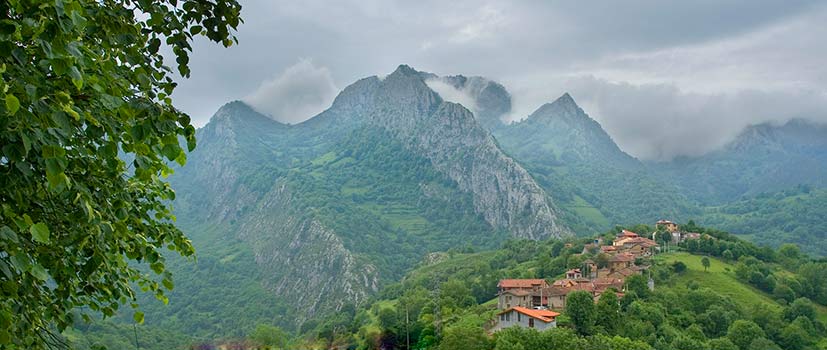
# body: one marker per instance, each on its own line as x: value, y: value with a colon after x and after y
x: 536, y: 303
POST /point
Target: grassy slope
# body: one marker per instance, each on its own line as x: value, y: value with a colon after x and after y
x: 721, y: 278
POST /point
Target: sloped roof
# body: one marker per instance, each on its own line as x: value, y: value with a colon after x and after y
x: 542, y: 315
x: 638, y: 240
x: 627, y: 233
x: 517, y: 292
x: 622, y: 257
x: 521, y: 283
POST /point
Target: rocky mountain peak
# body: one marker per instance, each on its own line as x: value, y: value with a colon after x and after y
x: 564, y: 107
x: 564, y: 127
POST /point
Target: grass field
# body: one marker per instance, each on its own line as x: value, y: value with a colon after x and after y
x: 588, y: 212
x: 721, y: 278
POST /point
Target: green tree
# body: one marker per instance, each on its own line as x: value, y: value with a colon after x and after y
x: 84, y: 87
x: 678, y: 266
x: 800, y: 307
x: 727, y: 255
x: 464, y: 337
x: 721, y: 344
x: 580, y: 309
x: 608, y: 312
x: 763, y: 344
x: 269, y: 336
x: 783, y: 292
x: 795, y: 336
x: 637, y: 284
x: 705, y: 263
x: 743, y: 332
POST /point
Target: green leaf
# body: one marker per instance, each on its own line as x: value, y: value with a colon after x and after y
x: 168, y: 283
x: 20, y: 262
x: 158, y: 267
x: 138, y: 317
x: 12, y: 104
x: 40, y: 232
x: 77, y: 78
x: 39, y: 272
x: 50, y: 151
x: 8, y: 235
x: 171, y: 151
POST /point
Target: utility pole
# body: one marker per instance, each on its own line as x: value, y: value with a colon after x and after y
x: 407, y: 329
x: 437, y: 310
x: 135, y: 328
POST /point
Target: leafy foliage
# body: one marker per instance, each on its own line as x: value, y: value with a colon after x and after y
x: 789, y: 216
x: 84, y: 87
x: 703, y: 314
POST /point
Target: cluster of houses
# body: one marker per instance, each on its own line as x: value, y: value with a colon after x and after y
x: 531, y: 302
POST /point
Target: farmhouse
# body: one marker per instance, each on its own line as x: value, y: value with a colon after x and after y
x: 524, y: 317
x: 520, y: 292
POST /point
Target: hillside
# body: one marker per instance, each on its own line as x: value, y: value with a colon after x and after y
x: 313, y: 208
x: 690, y: 307
x: 600, y: 185
x: 347, y: 202
x: 763, y: 158
x: 774, y: 218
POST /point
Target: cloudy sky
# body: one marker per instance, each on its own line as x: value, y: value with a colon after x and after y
x: 701, y: 70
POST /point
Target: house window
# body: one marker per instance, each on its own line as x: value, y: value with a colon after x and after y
x: 530, y: 322
x: 519, y: 317
x: 502, y: 317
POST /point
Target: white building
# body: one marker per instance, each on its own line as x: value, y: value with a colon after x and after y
x: 528, y: 318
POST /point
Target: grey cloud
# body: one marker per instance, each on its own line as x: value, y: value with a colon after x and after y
x: 659, y: 121
x: 300, y: 92
x: 706, y: 48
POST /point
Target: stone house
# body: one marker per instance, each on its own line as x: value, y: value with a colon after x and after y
x: 667, y: 225
x: 520, y: 292
x: 518, y: 316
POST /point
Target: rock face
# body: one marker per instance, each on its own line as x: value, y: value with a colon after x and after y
x: 320, y: 207
x: 457, y: 145
x: 564, y: 129
x: 493, y: 101
x: 571, y: 155
x: 307, y: 260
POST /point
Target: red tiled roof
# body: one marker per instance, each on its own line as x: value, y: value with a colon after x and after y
x: 542, y: 315
x: 639, y: 240
x: 517, y: 292
x: 521, y: 283
x: 564, y: 283
x: 622, y: 257
x: 627, y: 233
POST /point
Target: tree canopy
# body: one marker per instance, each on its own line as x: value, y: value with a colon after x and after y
x: 87, y: 133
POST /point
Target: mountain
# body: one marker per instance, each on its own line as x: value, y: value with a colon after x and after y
x: 329, y: 209
x: 571, y: 155
x: 492, y: 100
x: 295, y: 223
x: 763, y: 158
x: 561, y: 133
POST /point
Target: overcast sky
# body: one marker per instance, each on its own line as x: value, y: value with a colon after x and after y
x: 663, y: 78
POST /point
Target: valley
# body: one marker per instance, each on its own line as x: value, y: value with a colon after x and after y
x: 285, y: 217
